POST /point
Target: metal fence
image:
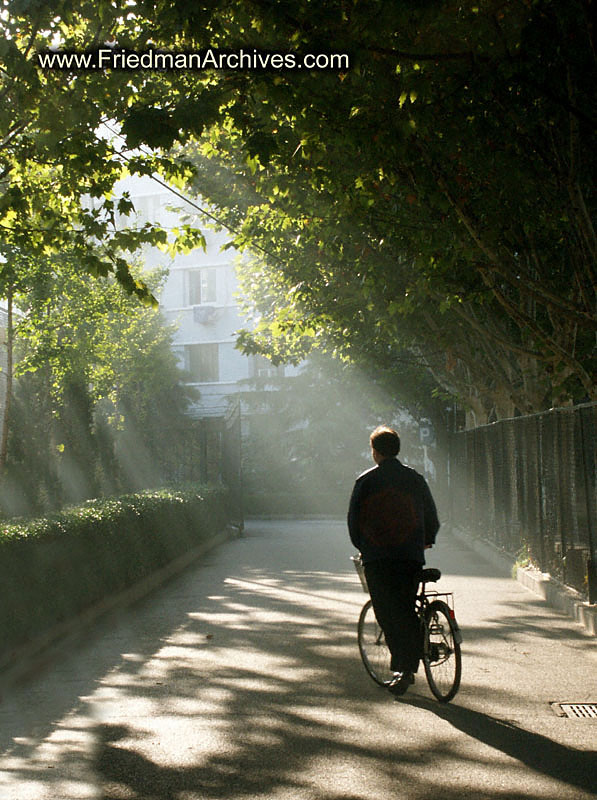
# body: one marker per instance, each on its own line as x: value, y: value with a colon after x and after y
x: 208, y: 451
x: 528, y: 484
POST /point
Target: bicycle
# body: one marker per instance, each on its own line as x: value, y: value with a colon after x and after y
x: 442, y: 658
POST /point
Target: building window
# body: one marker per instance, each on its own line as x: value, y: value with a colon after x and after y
x: 203, y: 362
x: 261, y: 367
x: 202, y: 286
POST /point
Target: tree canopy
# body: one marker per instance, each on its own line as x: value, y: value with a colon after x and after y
x: 99, y: 401
x: 431, y: 203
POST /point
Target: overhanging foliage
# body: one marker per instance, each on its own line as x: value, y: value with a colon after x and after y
x: 435, y: 199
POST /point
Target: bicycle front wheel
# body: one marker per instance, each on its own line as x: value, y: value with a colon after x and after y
x: 441, y: 651
x: 372, y: 645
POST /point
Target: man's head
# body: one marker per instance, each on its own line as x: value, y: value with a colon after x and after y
x: 385, y: 443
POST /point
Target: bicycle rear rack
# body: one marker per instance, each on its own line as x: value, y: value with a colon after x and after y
x: 448, y: 598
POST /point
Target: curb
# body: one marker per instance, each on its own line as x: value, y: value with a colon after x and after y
x: 24, y: 659
x: 559, y: 596
x: 555, y: 594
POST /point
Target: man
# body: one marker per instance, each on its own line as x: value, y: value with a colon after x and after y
x: 392, y: 519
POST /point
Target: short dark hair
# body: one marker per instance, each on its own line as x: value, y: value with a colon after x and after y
x: 386, y: 441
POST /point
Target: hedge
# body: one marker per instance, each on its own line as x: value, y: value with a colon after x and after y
x: 53, y: 568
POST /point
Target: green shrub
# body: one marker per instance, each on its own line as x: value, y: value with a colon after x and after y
x: 53, y: 568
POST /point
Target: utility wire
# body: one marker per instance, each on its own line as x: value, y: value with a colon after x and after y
x: 190, y: 202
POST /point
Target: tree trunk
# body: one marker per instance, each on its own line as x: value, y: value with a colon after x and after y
x: 8, y: 395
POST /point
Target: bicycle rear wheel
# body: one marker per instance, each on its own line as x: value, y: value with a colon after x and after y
x: 441, y: 651
x: 372, y: 645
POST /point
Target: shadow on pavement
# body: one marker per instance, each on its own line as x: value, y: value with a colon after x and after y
x: 253, y: 687
x: 276, y: 727
x: 539, y: 753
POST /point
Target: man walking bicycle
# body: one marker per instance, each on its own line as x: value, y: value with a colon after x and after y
x: 392, y: 519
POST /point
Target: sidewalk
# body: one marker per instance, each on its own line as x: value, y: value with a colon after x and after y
x: 555, y: 594
x: 241, y: 680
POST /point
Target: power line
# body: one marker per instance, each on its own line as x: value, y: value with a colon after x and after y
x: 190, y: 202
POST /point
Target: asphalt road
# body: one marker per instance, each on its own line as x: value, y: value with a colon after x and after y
x: 241, y: 679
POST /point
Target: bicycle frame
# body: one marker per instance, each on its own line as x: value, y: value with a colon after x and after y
x: 441, y: 637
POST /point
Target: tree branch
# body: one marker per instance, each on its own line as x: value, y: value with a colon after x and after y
x: 517, y: 280
x: 525, y: 321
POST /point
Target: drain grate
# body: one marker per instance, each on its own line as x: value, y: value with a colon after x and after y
x: 576, y: 710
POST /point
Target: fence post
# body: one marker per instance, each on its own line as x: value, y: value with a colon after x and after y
x: 591, y: 562
x: 540, y: 491
x: 232, y: 460
x: 203, y: 471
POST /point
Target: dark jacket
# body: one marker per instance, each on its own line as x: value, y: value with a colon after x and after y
x: 392, y: 513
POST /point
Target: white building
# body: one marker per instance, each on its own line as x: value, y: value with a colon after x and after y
x: 200, y: 299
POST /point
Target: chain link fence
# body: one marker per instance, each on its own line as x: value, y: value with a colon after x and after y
x: 528, y: 484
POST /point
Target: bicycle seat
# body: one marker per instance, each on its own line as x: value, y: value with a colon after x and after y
x: 429, y: 575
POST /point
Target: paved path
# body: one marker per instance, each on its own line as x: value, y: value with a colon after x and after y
x: 241, y: 679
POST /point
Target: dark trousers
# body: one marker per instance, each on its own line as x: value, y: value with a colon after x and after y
x: 393, y: 589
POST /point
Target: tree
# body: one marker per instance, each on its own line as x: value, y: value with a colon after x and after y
x: 99, y: 395
x: 460, y: 231
x: 59, y: 156
x: 437, y: 197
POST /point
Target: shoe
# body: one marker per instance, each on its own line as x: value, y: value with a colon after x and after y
x: 400, y: 683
